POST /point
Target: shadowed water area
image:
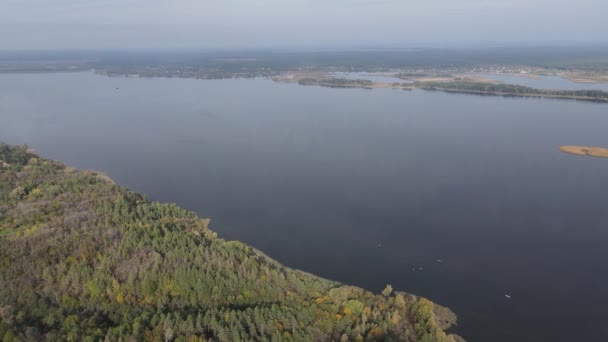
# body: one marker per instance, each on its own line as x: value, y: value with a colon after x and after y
x: 460, y: 198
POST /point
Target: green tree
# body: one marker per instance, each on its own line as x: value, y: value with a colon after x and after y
x: 387, y: 290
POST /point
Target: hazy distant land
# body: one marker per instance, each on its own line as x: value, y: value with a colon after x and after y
x: 449, y: 70
x: 473, y: 84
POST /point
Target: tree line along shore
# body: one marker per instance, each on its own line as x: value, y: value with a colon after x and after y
x: 83, y: 259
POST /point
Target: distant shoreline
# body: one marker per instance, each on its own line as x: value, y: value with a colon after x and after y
x: 508, y: 94
x: 473, y: 85
x: 462, y: 83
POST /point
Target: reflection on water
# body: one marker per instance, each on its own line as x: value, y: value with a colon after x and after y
x: 464, y: 199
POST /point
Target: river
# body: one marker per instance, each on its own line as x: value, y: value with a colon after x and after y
x: 460, y: 198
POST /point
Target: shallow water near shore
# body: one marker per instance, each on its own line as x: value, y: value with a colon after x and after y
x: 460, y: 198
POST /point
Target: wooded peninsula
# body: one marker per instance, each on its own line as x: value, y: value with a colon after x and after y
x: 84, y: 259
x: 499, y: 89
x: 451, y: 85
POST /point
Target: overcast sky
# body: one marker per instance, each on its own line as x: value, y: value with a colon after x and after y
x: 61, y: 24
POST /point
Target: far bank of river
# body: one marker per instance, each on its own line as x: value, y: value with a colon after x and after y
x: 479, y: 86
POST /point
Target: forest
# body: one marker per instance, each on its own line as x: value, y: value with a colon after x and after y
x: 84, y: 259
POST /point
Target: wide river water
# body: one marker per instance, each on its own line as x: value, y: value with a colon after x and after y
x: 460, y: 198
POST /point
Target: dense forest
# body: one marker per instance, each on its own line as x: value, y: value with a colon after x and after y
x: 83, y: 259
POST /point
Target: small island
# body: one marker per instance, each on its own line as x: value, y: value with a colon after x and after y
x: 601, y: 152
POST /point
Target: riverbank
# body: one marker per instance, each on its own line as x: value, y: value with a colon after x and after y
x: 126, y: 268
x: 464, y: 85
x: 468, y: 88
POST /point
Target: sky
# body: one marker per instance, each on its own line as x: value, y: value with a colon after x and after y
x: 91, y: 24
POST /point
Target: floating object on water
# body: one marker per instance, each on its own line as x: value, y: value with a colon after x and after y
x: 507, y: 296
x: 585, y: 151
x: 439, y: 260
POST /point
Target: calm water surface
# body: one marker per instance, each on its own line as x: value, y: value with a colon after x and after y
x: 459, y: 198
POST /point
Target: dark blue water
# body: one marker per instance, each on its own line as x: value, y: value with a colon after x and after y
x: 459, y: 198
